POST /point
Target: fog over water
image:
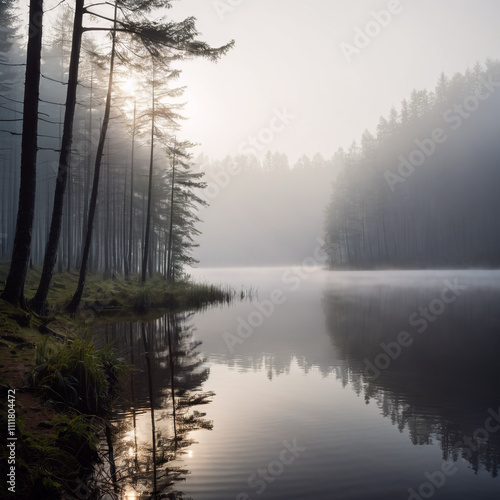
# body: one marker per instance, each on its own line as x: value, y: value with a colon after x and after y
x: 303, y: 376
x: 274, y: 277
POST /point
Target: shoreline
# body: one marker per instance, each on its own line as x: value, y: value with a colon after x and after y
x: 44, y: 439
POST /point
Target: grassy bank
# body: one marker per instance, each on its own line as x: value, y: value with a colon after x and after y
x: 62, y: 383
x: 63, y: 388
x: 119, y: 294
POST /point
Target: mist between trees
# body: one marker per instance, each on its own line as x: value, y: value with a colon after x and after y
x: 145, y: 218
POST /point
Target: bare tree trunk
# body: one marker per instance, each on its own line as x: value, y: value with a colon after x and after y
x: 124, y: 229
x: 107, y: 272
x: 14, y: 287
x: 75, y: 301
x: 88, y: 164
x: 70, y: 225
x: 40, y: 298
x: 150, y: 187
x: 131, y: 225
x: 114, y: 222
x: 170, y: 274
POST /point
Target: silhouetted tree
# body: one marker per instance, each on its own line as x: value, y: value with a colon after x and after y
x: 14, y: 287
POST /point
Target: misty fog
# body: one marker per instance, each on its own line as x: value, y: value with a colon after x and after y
x: 250, y: 249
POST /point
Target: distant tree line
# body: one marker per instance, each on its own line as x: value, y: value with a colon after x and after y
x: 423, y: 191
x: 272, y: 161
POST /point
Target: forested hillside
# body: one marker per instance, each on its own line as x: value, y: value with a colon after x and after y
x: 423, y: 191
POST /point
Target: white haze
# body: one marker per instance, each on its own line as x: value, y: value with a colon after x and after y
x: 288, y: 55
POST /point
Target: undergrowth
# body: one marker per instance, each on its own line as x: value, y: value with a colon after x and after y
x: 77, y: 375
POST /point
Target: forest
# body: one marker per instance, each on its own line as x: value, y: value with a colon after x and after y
x: 104, y: 184
x: 422, y: 192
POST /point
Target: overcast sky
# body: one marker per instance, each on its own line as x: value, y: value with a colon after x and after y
x: 297, y: 68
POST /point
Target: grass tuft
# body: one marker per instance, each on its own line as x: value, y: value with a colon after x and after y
x: 77, y: 376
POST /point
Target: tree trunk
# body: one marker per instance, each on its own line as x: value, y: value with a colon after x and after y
x: 70, y: 225
x: 38, y: 301
x: 170, y: 274
x: 114, y: 232
x: 131, y: 229
x: 75, y: 301
x: 14, y: 287
x: 107, y: 226
x: 88, y: 164
x: 124, y: 229
x: 150, y: 188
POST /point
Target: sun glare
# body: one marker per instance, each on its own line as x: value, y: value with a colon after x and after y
x: 129, y: 86
x: 131, y: 495
x: 127, y: 89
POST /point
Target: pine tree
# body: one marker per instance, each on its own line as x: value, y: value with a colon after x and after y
x: 163, y: 41
x: 14, y: 287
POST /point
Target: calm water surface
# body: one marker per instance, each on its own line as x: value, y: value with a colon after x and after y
x: 327, y: 385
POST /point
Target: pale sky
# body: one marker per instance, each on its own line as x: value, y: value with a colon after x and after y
x: 288, y: 61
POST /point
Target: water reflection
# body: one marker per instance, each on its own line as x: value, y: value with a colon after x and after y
x: 153, y: 420
x: 442, y: 384
x: 283, y: 383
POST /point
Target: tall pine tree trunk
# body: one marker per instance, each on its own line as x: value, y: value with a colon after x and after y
x: 75, y: 301
x: 14, y: 287
x: 70, y: 225
x: 131, y: 222
x: 124, y: 229
x: 40, y: 298
x: 88, y: 165
x: 150, y: 188
x: 170, y: 273
x: 107, y: 226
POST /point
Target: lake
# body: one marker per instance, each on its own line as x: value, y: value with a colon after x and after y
x: 323, y: 385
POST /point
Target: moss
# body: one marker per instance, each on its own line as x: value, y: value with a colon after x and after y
x: 48, y: 466
x: 77, y: 435
x: 8, y: 319
x: 54, y: 458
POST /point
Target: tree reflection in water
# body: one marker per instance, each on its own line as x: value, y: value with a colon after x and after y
x: 440, y: 387
x: 153, y: 420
